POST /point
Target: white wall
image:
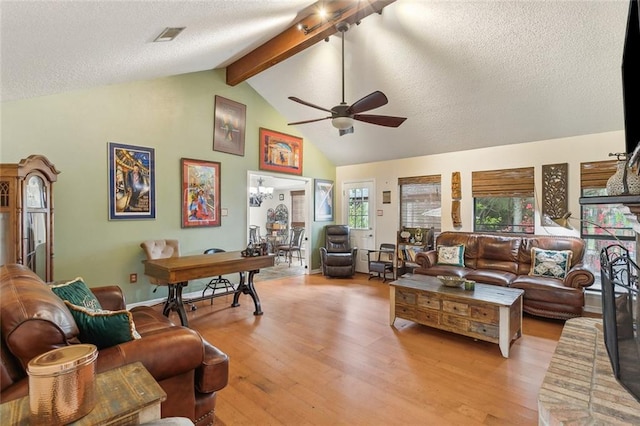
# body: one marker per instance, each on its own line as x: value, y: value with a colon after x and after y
x: 572, y: 150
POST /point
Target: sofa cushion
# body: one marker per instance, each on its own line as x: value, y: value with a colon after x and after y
x: 490, y: 276
x: 103, y: 328
x: 76, y: 292
x: 451, y: 255
x: 550, y: 263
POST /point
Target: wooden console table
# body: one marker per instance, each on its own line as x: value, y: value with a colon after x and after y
x: 490, y: 313
x: 126, y: 395
x: 177, y: 271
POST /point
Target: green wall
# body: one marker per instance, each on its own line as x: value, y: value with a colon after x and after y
x: 175, y: 117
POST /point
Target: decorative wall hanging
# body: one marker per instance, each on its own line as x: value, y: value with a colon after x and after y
x: 229, y: 120
x: 554, y: 190
x: 323, y: 200
x: 132, y: 192
x: 456, y: 195
x: 280, y: 152
x: 200, y: 193
x: 386, y: 197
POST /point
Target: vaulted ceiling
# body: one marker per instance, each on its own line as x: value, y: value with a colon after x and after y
x: 466, y: 74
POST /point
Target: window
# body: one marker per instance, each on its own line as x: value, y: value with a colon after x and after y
x: 358, y: 208
x: 600, y: 222
x: 420, y: 202
x: 297, y: 209
x: 503, y: 200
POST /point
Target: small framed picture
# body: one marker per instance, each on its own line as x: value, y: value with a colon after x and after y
x: 229, y: 120
x: 132, y: 179
x: 386, y: 197
x: 323, y: 200
x: 280, y: 152
x: 281, y: 197
x: 200, y: 193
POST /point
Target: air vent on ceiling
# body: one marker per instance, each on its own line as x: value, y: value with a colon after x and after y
x: 169, y: 34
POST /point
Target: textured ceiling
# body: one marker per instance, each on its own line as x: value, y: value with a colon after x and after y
x: 466, y: 74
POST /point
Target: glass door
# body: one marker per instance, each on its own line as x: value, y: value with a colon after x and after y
x: 358, y: 210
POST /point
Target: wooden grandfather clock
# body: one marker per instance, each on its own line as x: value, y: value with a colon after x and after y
x: 26, y: 214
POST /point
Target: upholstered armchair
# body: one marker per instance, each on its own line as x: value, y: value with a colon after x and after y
x: 337, y: 257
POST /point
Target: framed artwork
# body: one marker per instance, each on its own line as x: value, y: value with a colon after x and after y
x: 386, y: 197
x: 229, y: 120
x: 280, y: 152
x: 200, y: 193
x: 132, y: 180
x: 323, y: 200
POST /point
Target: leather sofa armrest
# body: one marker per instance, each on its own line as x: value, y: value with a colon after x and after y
x: 213, y: 374
x: 165, y: 353
x: 426, y: 259
x: 110, y: 297
x: 15, y: 391
x: 579, y: 276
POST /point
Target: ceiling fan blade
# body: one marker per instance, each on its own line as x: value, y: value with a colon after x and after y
x: 308, y: 121
x: 300, y: 101
x: 369, y: 102
x: 380, y: 120
x: 346, y: 131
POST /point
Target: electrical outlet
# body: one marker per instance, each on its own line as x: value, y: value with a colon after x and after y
x: 133, y: 278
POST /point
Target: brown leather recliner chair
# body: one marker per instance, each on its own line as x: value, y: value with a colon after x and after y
x: 337, y: 257
x: 34, y: 320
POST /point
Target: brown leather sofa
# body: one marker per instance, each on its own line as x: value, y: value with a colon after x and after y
x: 34, y: 320
x: 505, y: 260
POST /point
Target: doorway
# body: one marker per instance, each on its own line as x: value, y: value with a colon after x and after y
x: 359, y: 201
x: 275, y: 202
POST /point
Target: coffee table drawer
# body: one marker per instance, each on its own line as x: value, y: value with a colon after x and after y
x: 489, y: 314
x: 406, y: 312
x: 406, y: 296
x: 428, y: 301
x: 456, y: 322
x: 428, y: 317
x: 455, y: 307
x: 492, y: 331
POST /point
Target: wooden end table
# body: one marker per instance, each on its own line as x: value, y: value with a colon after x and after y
x: 489, y: 313
x: 126, y: 395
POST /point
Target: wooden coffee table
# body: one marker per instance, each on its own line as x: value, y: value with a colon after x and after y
x: 490, y: 313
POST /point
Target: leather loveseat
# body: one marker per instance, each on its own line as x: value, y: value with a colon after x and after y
x: 506, y: 260
x: 34, y: 320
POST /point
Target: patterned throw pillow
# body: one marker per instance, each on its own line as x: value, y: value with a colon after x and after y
x: 103, y: 328
x: 550, y: 263
x: 77, y: 292
x: 451, y: 255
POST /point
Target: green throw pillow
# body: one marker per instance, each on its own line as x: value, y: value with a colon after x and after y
x: 103, y: 328
x: 77, y: 292
x: 550, y: 263
x: 451, y: 255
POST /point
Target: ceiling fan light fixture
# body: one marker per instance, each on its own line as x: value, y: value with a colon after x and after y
x: 342, y: 123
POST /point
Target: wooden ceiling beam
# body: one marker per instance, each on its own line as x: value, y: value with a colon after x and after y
x: 294, y: 40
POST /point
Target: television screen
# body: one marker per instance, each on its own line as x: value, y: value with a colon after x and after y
x: 631, y: 78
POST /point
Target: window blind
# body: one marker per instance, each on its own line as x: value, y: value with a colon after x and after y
x: 297, y: 209
x: 503, y: 183
x: 595, y: 174
x: 420, y: 202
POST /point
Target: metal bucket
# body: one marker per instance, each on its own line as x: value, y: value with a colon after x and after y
x: 62, y: 385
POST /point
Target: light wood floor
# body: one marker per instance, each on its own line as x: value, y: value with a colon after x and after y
x: 323, y: 353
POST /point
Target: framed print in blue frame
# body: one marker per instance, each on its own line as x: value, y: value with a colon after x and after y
x: 323, y: 200
x: 132, y: 179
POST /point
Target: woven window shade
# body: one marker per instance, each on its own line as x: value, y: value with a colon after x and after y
x: 503, y: 183
x: 297, y: 209
x: 419, y: 179
x: 596, y: 173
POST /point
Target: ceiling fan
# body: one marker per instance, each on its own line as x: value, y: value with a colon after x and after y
x: 343, y: 115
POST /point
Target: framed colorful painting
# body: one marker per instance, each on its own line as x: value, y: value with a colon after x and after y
x: 229, y: 119
x: 323, y: 200
x: 132, y: 192
x: 280, y: 152
x: 200, y: 193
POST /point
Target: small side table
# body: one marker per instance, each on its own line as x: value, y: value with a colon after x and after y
x: 126, y: 395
